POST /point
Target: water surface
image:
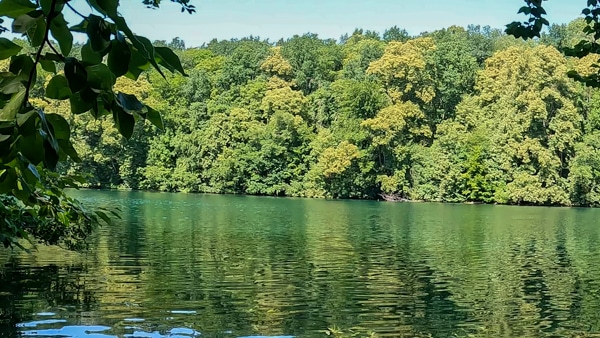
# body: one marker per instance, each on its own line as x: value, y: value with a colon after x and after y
x: 180, y: 265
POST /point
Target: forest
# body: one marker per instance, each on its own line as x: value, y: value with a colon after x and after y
x: 455, y: 115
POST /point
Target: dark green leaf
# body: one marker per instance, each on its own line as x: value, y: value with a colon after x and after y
x: 108, y: 7
x: 149, y: 52
x: 48, y: 66
x: 137, y: 64
x: 27, y: 123
x: 52, y: 57
x: 104, y: 217
x: 98, y: 32
x: 67, y: 147
x: 27, y: 175
x: 58, y: 88
x: 79, y: 105
x: 80, y: 27
x: 155, y: 118
x: 47, y: 6
x: 22, y: 65
x: 124, y: 121
x: 143, y: 45
x: 99, y: 108
x: 31, y: 146
x: 119, y: 57
x: 129, y: 102
x: 47, y: 132
x: 60, y: 126
x: 88, y: 56
x: 8, y: 48
x: 78, y: 178
x: 169, y: 60
x: 50, y: 155
x: 22, y: 118
x: 60, y: 31
x: 75, y: 74
x: 88, y: 94
x: 100, y: 77
x: 36, y: 32
x: 525, y: 10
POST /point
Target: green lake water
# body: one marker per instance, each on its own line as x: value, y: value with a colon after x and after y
x: 183, y: 265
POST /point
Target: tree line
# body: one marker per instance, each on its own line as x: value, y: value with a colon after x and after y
x: 454, y: 115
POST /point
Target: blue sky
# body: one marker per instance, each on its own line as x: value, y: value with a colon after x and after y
x: 275, y: 19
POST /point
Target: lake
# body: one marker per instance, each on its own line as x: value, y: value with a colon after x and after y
x: 185, y: 265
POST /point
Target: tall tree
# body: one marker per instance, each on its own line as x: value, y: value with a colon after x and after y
x: 314, y: 61
x: 526, y: 104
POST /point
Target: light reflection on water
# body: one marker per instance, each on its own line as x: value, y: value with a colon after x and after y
x: 55, y: 327
x: 230, y: 266
x: 45, y: 328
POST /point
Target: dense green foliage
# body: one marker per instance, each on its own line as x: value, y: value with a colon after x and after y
x: 453, y: 115
x: 34, y: 140
x: 588, y: 32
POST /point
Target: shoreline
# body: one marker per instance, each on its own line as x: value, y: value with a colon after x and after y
x: 381, y: 199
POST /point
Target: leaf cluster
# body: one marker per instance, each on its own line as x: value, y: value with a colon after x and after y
x: 533, y: 27
x: 34, y: 142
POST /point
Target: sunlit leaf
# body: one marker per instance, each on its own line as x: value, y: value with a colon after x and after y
x: 10, y: 110
x: 15, y: 8
x: 8, y: 179
x: 8, y: 48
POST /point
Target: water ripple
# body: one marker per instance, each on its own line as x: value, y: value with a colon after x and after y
x: 231, y: 266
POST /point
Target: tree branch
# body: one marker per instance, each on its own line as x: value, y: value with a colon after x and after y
x: 39, y: 52
x: 62, y: 57
x: 75, y: 11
